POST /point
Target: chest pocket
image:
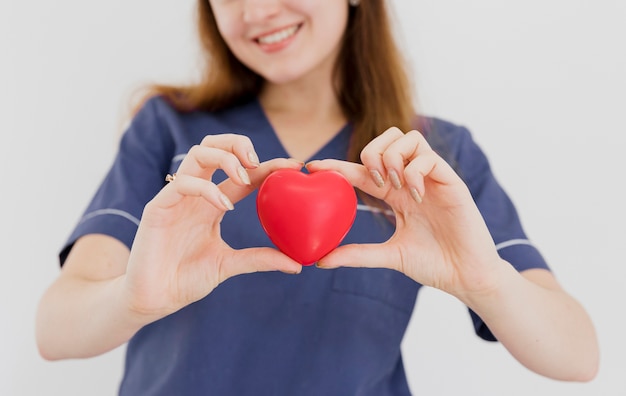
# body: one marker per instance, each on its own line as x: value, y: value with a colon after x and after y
x: 389, y: 287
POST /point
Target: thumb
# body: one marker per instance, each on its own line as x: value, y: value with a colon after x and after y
x: 362, y: 255
x: 263, y: 259
x: 236, y: 192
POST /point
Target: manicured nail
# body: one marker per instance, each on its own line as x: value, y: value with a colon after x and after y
x: 378, y: 179
x: 323, y: 266
x: 226, y: 202
x: 416, y: 196
x: 243, y: 175
x: 290, y: 272
x: 252, y: 157
x: 395, y: 179
x: 297, y: 161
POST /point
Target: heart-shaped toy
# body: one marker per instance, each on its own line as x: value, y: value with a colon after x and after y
x: 306, y: 215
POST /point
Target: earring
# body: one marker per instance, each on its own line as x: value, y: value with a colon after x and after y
x: 354, y: 3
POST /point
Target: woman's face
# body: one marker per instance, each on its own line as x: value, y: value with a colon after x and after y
x: 283, y: 40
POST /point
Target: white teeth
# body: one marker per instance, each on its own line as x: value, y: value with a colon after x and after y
x: 278, y: 36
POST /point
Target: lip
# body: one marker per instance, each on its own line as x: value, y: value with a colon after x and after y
x: 274, y: 47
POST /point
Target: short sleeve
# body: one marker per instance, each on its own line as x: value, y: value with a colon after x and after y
x: 498, y: 211
x: 135, y: 177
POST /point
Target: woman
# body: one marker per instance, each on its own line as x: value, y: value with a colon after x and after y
x: 289, y: 82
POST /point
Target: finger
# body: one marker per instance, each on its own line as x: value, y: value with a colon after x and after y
x: 362, y: 255
x: 190, y: 186
x: 202, y: 161
x: 251, y: 260
x: 400, y: 152
x: 356, y: 174
x: 428, y: 165
x: 236, y: 192
x: 371, y: 155
x: 240, y: 145
x: 416, y: 171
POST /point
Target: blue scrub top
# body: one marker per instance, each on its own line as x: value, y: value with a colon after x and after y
x: 323, y: 332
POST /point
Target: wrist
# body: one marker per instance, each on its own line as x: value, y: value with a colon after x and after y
x: 133, y: 314
x: 491, y: 290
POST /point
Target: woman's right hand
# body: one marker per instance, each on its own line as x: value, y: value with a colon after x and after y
x: 178, y: 256
x: 105, y: 293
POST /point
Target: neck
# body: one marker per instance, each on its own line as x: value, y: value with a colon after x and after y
x: 304, y: 114
x: 311, y: 97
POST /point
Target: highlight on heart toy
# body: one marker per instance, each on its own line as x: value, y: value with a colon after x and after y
x: 306, y: 215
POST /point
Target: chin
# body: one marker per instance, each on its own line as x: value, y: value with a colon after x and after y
x: 283, y: 73
x: 280, y: 78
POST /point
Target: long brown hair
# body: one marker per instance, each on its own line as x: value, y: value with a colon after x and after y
x: 372, y: 85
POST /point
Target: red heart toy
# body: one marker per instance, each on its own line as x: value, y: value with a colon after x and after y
x: 306, y: 215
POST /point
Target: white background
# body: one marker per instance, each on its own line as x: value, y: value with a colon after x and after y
x: 541, y: 85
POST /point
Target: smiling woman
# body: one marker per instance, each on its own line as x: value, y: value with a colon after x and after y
x: 198, y: 290
x: 277, y: 40
x: 283, y: 41
x: 238, y: 68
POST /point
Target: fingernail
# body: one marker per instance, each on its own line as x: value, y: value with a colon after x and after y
x: 416, y: 196
x: 226, y: 202
x: 252, y: 157
x: 297, y: 161
x: 290, y: 272
x: 322, y: 266
x: 378, y: 179
x: 395, y: 179
x: 243, y: 175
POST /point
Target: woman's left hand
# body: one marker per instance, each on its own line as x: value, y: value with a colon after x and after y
x: 441, y: 239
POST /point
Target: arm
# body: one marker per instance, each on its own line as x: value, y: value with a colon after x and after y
x: 442, y: 241
x: 84, y: 312
x: 540, y: 324
x: 106, y: 293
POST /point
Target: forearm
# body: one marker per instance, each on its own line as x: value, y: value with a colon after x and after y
x: 543, y: 328
x: 80, y: 318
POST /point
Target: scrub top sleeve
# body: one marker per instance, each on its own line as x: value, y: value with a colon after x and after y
x: 135, y: 177
x: 499, y: 213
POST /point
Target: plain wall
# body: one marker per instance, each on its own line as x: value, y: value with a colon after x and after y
x: 541, y: 84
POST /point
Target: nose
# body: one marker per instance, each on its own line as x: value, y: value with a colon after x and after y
x: 260, y: 10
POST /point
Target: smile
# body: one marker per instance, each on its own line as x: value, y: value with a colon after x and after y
x: 279, y: 36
